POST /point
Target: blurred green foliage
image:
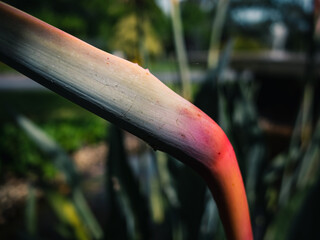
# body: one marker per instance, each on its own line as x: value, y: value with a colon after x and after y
x: 67, y: 123
x: 19, y: 154
x: 101, y: 22
x: 69, y: 205
x: 128, y: 39
x: 242, y: 43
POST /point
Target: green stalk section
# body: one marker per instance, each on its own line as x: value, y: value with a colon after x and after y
x: 180, y: 49
x: 67, y: 213
x: 31, y: 212
x: 127, y: 189
x: 217, y: 26
x: 310, y: 164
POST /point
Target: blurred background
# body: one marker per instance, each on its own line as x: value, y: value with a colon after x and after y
x: 252, y: 65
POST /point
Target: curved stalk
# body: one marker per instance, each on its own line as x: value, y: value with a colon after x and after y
x: 131, y: 97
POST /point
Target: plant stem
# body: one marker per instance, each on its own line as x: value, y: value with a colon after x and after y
x: 180, y: 49
x: 216, y: 32
x: 132, y: 98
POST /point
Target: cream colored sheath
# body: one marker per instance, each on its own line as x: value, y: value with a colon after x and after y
x: 131, y: 97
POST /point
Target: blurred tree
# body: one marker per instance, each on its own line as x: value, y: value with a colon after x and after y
x: 139, y: 30
x: 127, y: 38
x: 97, y: 21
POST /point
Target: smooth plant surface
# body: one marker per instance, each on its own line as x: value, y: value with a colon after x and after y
x: 116, y: 90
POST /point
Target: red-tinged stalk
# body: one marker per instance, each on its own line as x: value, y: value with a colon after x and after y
x: 219, y: 168
x: 131, y: 97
